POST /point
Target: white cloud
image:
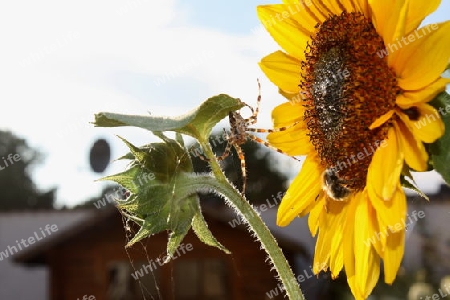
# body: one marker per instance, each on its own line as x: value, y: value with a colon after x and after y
x: 63, y: 61
x: 66, y: 61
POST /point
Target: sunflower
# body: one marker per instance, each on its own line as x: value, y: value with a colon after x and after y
x: 358, y: 76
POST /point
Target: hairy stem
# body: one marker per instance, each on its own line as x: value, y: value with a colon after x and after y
x: 256, y: 224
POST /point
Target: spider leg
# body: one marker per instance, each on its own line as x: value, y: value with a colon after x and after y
x: 241, y: 156
x: 254, y: 117
x: 258, y: 140
x: 225, y: 153
x: 278, y: 129
x: 251, y: 109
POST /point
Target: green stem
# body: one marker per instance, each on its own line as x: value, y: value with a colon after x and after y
x: 246, y: 211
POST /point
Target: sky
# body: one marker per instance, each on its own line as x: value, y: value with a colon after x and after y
x: 62, y: 62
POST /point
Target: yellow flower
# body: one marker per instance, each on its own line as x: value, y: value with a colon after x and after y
x: 358, y: 75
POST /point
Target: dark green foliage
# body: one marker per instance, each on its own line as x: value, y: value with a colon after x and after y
x: 18, y: 190
x: 440, y: 154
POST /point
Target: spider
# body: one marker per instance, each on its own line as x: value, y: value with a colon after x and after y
x: 238, y: 135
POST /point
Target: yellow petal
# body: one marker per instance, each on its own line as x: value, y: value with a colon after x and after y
x: 361, y: 261
x: 393, y: 254
x: 283, y: 70
x: 302, y: 191
x: 291, y: 35
x: 395, y: 31
x: 294, y: 98
x: 385, y: 168
x: 412, y: 98
x: 379, y: 14
x: 349, y: 249
x: 294, y: 140
x: 381, y: 120
x: 315, y: 213
x: 333, y: 6
x: 329, y: 7
x: 363, y: 6
x: 329, y: 250
x: 374, y: 228
x: 367, y: 262
x: 405, y: 16
x: 395, y: 28
x: 429, y: 127
x: 417, y: 11
x: 389, y: 18
x: 349, y: 6
x: 308, y: 209
x: 287, y: 114
x: 416, y: 157
x: 307, y: 14
x: 422, y: 62
x: 390, y: 214
x: 322, y: 252
x: 313, y: 9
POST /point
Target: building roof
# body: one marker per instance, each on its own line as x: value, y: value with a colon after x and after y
x: 36, y: 253
x: 18, y: 225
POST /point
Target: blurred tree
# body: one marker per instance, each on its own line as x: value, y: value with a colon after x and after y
x: 18, y: 190
x: 264, y: 181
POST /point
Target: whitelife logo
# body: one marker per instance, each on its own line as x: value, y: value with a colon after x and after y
x: 152, y: 266
x: 11, y: 250
x: 11, y: 159
x: 404, y: 41
x: 86, y: 297
x: 393, y: 228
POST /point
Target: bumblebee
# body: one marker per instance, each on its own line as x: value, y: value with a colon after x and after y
x: 335, y: 187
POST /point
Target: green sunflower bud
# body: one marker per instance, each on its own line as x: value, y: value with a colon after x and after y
x: 162, y: 196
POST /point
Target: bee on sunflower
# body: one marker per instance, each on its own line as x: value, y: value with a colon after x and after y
x: 358, y: 76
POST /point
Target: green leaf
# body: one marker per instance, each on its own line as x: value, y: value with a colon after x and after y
x: 152, y: 123
x: 148, y: 228
x: 201, y: 229
x: 198, y: 123
x: 209, y: 114
x: 181, y: 219
x: 440, y: 150
x: 410, y: 184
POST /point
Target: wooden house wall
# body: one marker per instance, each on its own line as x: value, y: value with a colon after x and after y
x: 80, y: 267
